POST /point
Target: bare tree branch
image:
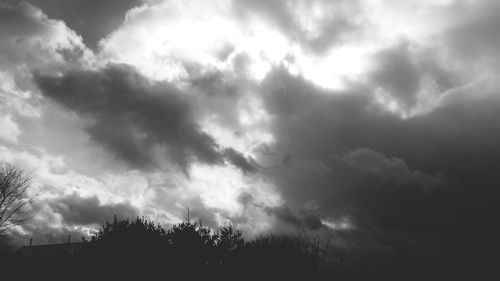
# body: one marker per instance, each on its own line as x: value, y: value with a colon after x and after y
x: 14, y: 184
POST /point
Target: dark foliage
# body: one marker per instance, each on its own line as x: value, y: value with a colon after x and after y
x: 142, y: 250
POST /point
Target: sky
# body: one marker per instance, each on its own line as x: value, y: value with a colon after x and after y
x: 367, y: 117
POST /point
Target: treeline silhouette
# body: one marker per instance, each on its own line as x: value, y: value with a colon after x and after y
x: 143, y: 250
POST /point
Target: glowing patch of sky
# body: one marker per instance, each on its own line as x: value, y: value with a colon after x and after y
x: 220, y: 187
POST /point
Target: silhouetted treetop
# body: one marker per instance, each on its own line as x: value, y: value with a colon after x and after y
x: 143, y: 250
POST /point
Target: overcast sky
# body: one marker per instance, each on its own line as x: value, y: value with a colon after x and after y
x: 375, y: 117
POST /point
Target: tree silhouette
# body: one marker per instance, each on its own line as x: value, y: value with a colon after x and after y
x: 143, y: 250
x: 230, y: 240
x: 126, y: 232
x: 281, y: 257
x: 14, y: 184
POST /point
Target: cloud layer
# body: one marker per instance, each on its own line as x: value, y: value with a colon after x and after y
x: 131, y: 115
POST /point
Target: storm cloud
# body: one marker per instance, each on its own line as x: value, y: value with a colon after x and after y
x: 356, y: 157
x: 77, y: 210
x: 132, y: 116
x: 392, y: 170
x: 300, y: 221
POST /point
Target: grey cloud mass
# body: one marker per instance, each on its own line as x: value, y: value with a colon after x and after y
x: 393, y: 170
x: 382, y: 184
x: 234, y: 157
x: 78, y: 210
x: 398, y: 74
x: 302, y: 220
x: 69, y: 215
x: 131, y: 114
x: 29, y: 39
x: 92, y: 19
x: 450, y: 143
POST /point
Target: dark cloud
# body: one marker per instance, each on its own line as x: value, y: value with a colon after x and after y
x: 216, y: 84
x: 247, y: 165
x: 130, y: 115
x: 393, y: 170
x: 346, y: 156
x: 78, y: 210
x: 296, y: 104
x: 398, y: 74
x: 301, y: 220
x: 455, y: 141
x: 219, y: 94
x: 22, y: 20
x: 412, y: 74
x: 298, y: 219
x: 47, y: 226
x: 311, y: 221
x: 29, y: 39
x: 92, y: 19
x: 245, y: 198
x: 57, y: 218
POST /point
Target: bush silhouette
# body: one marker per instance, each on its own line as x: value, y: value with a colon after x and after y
x: 140, y: 249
